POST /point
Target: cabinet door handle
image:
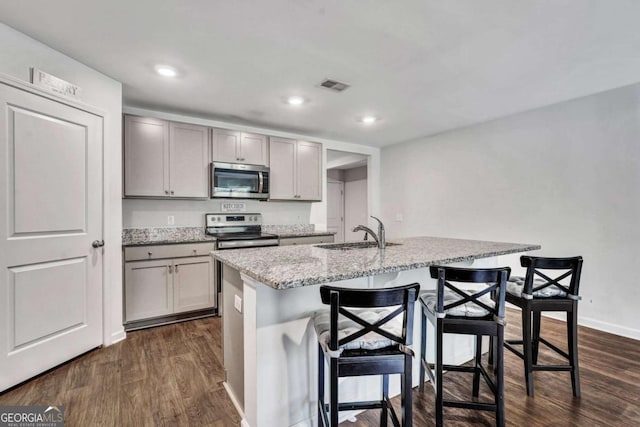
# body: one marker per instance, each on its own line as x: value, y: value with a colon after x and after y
x: 150, y: 253
x: 166, y: 191
x: 170, y: 269
x: 171, y: 191
x: 176, y: 269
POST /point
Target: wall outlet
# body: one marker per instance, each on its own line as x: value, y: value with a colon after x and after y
x: 171, y: 220
x: 237, y: 303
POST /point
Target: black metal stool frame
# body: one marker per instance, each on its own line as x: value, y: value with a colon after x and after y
x: 491, y: 325
x: 532, y: 307
x: 390, y: 360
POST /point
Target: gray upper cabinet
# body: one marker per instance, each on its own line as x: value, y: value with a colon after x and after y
x: 146, y: 152
x: 309, y: 170
x: 296, y: 170
x: 239, y: 147
x: 165, y: 159
x: 188, y: 160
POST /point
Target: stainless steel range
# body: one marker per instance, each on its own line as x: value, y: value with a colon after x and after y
x: 233, y: 231
x: 236, y: 231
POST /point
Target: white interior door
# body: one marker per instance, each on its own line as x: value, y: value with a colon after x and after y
x: 51, y: 276
x: 335, y: 209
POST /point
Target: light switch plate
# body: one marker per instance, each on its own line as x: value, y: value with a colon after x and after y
x: 171, y: 220
x: 237, y: 303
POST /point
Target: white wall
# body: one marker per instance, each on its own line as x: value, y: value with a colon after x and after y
x: 18, y: 53
x: 150, y: 213
x: 355, y: 202
x: 565, y: 176
x: 190, y: 213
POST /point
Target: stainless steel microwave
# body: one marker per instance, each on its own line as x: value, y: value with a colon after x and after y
x: 239, y: 181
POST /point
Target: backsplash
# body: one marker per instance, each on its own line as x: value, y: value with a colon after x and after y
x: 139, y: 213
x: 288, y: 229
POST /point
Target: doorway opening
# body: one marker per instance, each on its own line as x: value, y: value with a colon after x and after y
x: 347, y: 201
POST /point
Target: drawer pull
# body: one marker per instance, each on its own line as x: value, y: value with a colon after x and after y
x: 150, y: 253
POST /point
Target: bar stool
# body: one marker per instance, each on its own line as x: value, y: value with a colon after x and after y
x: 478, y: 312
x: 365, y: 332
x: 550, y: 284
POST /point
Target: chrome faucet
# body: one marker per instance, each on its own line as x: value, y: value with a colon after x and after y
x: 379, y: 238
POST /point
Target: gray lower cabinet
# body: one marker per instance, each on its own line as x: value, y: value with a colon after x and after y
x: 306, y: 240
x: 167, y: 280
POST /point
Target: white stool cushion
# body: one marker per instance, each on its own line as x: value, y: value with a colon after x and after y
x: 515, y: 286
x: 469, y: 309
x: 346, y: 327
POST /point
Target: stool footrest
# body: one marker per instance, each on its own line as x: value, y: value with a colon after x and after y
x: 508, y: 346
x: 554, y: 348
x: 355, y: 406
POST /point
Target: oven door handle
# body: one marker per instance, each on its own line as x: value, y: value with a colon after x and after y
x: 246, y: 243
x: 260, y: 182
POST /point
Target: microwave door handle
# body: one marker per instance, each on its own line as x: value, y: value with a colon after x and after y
x: 260, y: 182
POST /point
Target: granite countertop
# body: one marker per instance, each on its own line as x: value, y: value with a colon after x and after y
x: 285, y: 267
x: 164, y: 236
x: 177, y: 235
x: 284, y: 235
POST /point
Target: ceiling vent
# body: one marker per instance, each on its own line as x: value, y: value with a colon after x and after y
x: 334, y: 85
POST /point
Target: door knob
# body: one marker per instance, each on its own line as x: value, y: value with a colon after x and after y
x: 97, y: 243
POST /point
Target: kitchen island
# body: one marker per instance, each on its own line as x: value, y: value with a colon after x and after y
x: 270, y: 348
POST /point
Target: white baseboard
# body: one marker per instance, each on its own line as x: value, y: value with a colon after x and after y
x: 610, y: 328
x: 599, y: 325
x: 118, y: 336
x: 235, y: 402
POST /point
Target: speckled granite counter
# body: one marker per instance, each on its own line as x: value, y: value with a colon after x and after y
x: 295, y: 230
x: 176, y: 235
x: 163, y: 236
x: 305, y: 234
x: 295, y: 266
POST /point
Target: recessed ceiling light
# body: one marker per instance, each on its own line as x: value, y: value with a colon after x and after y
x: 166, y: 71
x: 368, y: 120
x: 295, y: 100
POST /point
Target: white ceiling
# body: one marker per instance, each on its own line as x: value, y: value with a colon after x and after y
x: 424, y: 66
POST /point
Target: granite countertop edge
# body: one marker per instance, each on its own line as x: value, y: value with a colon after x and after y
x: 165, y: 242
x: 305, y: 234
x: 209, y: 239
x: 316, y: 280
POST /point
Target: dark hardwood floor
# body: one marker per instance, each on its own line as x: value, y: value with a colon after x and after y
x: 610, y: 382
x: 172, y: 376
x: 165, y: 376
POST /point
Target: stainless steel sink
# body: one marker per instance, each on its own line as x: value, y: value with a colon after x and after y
x: 352, y: 245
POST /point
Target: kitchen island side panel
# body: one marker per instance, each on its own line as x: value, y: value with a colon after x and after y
x: 233, y: 333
